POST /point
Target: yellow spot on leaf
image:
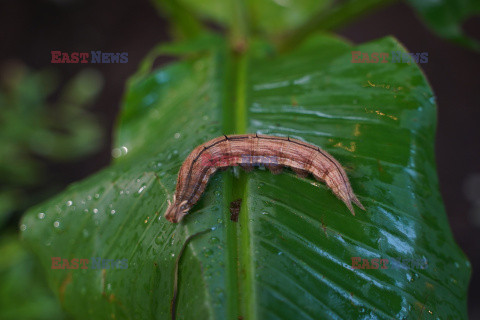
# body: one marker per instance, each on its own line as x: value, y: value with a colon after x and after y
x: 356, y: 133
x: 381, y: 114
x: 352, y: 147
x: 294, y: 101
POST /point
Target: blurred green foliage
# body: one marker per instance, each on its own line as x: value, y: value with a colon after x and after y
x: 289, y: 22
x: 445, y: 18
x: 36, y: 132
x: 24, y: 293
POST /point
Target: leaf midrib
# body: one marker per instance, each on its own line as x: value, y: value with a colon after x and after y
x: 239, y: 257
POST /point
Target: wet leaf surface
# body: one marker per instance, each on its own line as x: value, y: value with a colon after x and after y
x: 289, y: 256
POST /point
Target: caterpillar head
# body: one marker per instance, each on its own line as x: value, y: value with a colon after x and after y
x: 176, y: 210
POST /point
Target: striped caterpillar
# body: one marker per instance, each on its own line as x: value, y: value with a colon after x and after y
x: 251, y: 150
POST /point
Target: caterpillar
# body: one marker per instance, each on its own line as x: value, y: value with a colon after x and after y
x: 248, y: 151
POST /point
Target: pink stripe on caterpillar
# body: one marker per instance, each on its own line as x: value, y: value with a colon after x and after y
x: 247, y: 151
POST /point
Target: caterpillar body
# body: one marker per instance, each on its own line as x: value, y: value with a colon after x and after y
x: 248, y: 151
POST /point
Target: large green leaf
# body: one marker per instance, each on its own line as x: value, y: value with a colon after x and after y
x: 289, y: 256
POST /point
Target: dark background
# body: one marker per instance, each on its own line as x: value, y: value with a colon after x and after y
x: 31, y: 29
